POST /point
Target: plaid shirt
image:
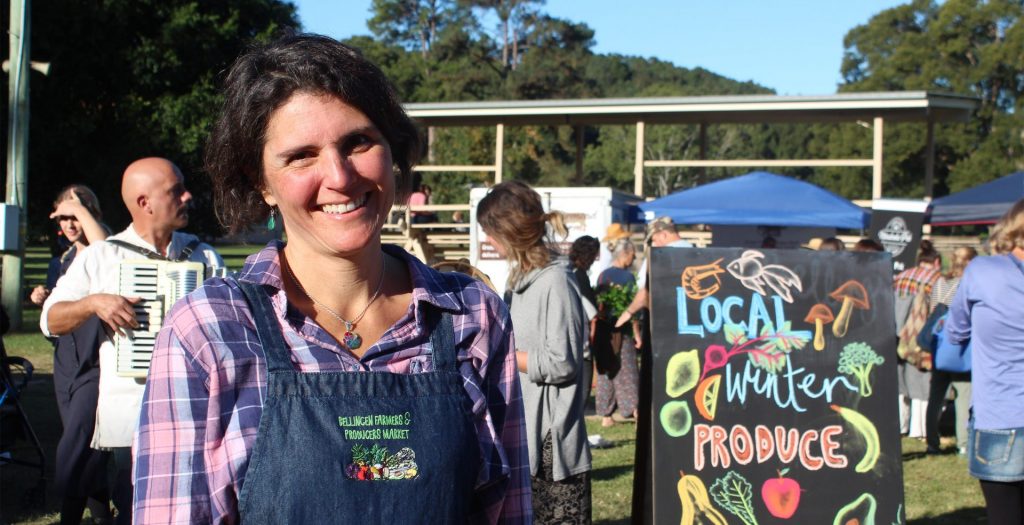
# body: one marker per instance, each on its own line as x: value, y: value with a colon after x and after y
x: 206, y: 389
x: 916, y: 279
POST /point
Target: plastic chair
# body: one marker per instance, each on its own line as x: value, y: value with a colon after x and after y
x: 15, y: 375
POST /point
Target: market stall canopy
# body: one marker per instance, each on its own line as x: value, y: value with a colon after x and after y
x: 758, y: 199
x: 983, y: 204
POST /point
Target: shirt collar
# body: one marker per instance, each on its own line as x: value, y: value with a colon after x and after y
x: 428, y: 285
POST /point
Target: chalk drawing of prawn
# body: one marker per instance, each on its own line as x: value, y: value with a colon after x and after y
x: 702, y: 281
x: 755, y: 276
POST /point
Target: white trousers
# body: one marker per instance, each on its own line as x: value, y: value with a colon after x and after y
x: 912, y: 416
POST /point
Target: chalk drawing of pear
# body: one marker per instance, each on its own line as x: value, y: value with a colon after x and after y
x: 755, y: 276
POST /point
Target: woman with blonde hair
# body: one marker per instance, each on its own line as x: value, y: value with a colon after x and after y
x: 77, y: 212
x: 941, y: 381
x: 987, y: 311
x: 549, y: 327
x: 80, y: 472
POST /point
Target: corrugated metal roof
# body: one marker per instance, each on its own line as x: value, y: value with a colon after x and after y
x: 892, y: 106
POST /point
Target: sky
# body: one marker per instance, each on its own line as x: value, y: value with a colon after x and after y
x: 792, y: 46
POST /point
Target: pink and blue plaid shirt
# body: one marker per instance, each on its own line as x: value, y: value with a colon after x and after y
x: 207, y: 383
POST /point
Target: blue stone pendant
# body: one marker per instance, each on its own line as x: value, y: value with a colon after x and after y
x: 351, y: 340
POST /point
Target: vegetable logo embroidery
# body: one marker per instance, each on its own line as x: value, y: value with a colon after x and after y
x: 376, y: 464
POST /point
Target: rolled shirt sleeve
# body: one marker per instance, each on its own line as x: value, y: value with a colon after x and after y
x: 72, y: 286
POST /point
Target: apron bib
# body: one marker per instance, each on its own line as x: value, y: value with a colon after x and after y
x: 374, y: 447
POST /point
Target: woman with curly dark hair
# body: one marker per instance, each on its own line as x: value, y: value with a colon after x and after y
x: 334, y: 378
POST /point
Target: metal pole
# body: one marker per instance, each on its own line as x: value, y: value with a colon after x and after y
x: 17, y: 152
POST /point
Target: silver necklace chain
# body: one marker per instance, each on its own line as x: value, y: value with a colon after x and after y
x: 348, y: 324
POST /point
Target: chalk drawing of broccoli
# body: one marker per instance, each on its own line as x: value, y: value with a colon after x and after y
x: 857, y: 359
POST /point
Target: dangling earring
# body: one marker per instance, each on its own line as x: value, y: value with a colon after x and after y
x: 271, y: 223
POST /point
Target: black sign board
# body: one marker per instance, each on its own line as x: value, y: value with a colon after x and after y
x: 773, y: 392
x: 899, y: 232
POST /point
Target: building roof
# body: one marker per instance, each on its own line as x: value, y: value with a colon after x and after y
x: 893, y: 106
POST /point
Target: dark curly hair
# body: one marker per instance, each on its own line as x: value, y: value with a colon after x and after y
x: 926, y: 253
x: 584, y: 250
x: 264, y: 79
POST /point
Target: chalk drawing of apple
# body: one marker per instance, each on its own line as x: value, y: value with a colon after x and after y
x: 781, y: 495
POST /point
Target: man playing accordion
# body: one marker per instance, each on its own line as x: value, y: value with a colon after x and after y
x: 154, y: 192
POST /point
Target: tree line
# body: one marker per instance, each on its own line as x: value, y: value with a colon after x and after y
x: 140, y: 77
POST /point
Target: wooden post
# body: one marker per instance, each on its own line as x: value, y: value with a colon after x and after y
x: 929, y: 161
x: 430, y: 144
x: 499, y: 151
x: 877, y: 157
x: 638, y: 163
x: 579, y: 154
x: 703, y: 172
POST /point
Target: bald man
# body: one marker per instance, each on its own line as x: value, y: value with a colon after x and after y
x: 154, y: 192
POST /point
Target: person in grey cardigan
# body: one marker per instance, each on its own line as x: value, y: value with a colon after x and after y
x: 550, y: 330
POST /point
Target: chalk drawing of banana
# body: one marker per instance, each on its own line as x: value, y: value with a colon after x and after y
x: 867, y: 429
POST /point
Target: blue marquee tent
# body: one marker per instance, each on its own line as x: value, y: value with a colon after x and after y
x: 758, y: 199
x: 983, y: 204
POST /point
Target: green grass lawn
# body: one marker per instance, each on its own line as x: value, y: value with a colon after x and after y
x: 938, y: 489
x: 235, y: 254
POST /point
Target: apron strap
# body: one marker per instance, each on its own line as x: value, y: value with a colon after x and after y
x: 267, y: 327
x: 442, y: 339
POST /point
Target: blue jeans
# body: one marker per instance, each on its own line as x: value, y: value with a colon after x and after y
x: 996, y: 455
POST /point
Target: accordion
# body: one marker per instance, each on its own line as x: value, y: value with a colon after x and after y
x: 160, y: 284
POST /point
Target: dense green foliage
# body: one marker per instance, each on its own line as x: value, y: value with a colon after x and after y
x: 128, y: 79
x: 964, y: 46
x: 140, y: 77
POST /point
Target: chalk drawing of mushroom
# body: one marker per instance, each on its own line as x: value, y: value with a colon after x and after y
x: 819, y: 315
x: 755, y: 276
x: 853, y: 295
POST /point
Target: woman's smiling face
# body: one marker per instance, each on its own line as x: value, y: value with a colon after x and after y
x: 328, y: 169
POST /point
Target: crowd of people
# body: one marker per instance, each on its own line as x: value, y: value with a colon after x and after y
x: 280, y: 374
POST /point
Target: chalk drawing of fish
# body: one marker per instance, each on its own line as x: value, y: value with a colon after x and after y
x: 755, y: 276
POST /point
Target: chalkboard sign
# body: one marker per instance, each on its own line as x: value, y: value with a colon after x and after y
x: 774, y: 394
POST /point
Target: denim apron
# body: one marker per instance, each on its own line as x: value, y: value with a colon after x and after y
x: 373, y: 447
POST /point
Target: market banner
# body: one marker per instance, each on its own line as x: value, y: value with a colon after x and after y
x: 896, y: 224
x: 774, y: 390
